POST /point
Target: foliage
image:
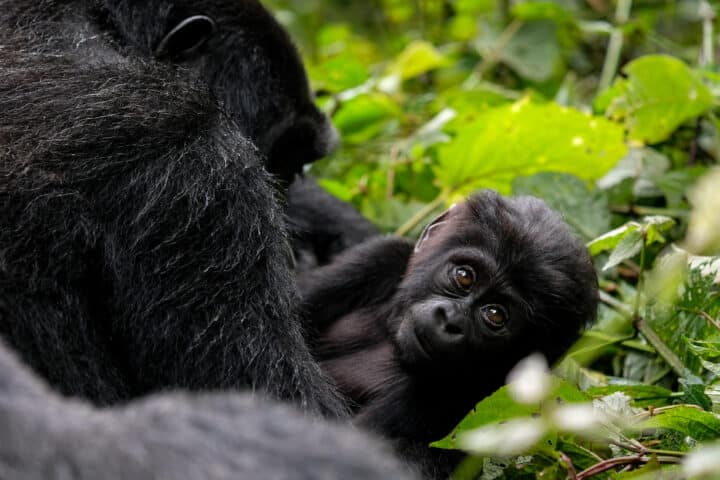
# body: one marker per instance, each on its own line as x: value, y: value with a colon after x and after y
x: 607, y: 109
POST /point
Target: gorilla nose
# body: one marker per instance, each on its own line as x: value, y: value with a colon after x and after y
x: 448, y: 326
x: 329, y: 139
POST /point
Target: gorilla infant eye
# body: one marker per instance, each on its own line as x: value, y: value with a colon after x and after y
x: 494, y: 315
x: 464, y: 276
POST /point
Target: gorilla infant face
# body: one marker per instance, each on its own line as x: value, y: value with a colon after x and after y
x: 493, y: 278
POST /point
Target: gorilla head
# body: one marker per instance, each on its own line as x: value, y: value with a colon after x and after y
x: 248, y: 61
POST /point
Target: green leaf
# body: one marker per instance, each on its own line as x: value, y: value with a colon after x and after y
x: 659, y: 94
x: 584, y: 210
x: 696, y: 423
x: 627, y: 248
x: 627, y: 241
x: 642, y: 395
x: 540, y: 10
x: 364, y: 116
x: 500, y: 406
x: 417, y: 58
x: 611, y: 239
x: 338, y: 73
x: 523, y: 139
x: 674, y: 322
x: 533, y: 52
x: 694, y: 393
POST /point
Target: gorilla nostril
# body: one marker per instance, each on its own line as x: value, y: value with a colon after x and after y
x: 452, y: 329
x: 439, y: 314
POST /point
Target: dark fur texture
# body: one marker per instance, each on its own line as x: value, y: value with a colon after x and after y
x: 368, y: 308
x: 321, y: 226
x: 141, y: 246
x: 173, y: 436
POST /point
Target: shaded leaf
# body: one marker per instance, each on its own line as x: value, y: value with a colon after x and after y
x: 584, y: 210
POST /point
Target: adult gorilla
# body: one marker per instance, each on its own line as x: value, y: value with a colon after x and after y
x: 141, y: 244
x: 178, y: 436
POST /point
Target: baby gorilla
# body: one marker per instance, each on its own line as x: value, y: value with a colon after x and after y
x: 416, y: 335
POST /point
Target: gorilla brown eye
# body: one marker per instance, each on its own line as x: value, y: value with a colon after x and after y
x: 494, y: 315
x: 464, y: 277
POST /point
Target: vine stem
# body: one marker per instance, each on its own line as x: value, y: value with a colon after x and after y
x: 610, y: 463
x: 615, y: 44
x: 707, y: 53
x: 421, y: 214
x: 502, y: 41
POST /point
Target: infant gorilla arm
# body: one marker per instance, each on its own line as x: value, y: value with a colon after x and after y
x: 173, y: 436
x: 416, y: 336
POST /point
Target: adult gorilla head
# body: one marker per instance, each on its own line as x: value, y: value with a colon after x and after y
x: 249, y: 62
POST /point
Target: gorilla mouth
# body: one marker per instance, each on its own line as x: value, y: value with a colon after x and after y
x: 421, y: 347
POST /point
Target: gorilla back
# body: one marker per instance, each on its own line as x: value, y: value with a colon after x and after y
x: 141, y: 246
x: 217, y: 436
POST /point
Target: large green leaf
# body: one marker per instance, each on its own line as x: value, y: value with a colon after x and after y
x: 659, y: 94
x: 501, y: 406
x: 525, y: 138
x: 690, y: 421
x: 584, y: 210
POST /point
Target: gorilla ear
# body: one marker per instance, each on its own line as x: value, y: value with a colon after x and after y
x: 185, y: 37
x: 432, y: 228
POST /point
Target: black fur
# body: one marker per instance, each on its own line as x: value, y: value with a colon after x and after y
x: 173, y: 436
x: 321, y: 226
x: 372, y: 306
x: 141, y: 246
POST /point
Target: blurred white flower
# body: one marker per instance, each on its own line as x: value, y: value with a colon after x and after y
x: 616, y: 406
x: 504, y: 440
x: 703, y: 234
x: 703, y: 462
x: 579, y: 418
x: 529, y: 381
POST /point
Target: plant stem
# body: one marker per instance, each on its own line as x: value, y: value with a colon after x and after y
x: 610, y: 463
x: 662, y: 349
x: 707, y: 53
x: 421, y: 214
x: 615, y: 44
x: 572, y: 473
x: 492, y: 56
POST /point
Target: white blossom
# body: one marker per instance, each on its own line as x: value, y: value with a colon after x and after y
x: 578, y: 418
x: 703, y: 462
x: 506, y: 439
x: 529, y: 381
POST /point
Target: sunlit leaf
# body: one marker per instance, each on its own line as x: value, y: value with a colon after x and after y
x: 417, y: 58
x: 505, y: 142
x: 659, y: 94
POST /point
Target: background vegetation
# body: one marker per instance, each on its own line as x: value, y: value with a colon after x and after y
x: 607, y: 109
